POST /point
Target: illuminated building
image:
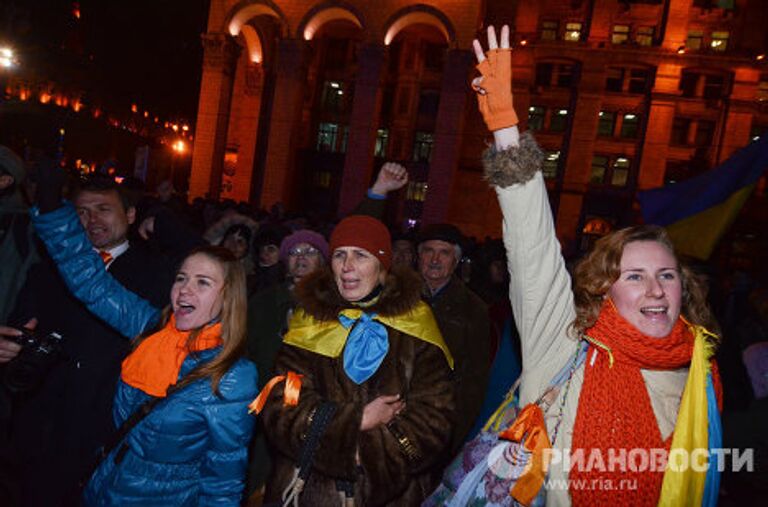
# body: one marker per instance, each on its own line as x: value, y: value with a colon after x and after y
x: 302, y: 100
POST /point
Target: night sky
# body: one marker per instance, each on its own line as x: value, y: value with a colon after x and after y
x: 147, y: 52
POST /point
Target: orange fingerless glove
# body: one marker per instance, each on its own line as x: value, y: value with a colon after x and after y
x: 496, y: 104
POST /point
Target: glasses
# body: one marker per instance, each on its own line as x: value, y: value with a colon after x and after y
x: 306, y: 252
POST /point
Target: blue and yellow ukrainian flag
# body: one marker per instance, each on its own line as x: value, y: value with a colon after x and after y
x: 697, y: 212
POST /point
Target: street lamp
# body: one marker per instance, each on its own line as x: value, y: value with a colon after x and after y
x: 7, y: 57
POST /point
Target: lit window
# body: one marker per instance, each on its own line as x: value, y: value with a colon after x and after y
x: 572, y: 32
x: 382, y: 139
x: 762, y: 88
x: 630, y: 126
x: 695, y: 39
x: 535, y: 118
x: 620, y: 172
x: 719, y: 41
x: 620, y: 34
x: 327, y: 136
x: 417, y: 191
x: 332, y: 99
x: 605, y: 123
x: 549, y: 30
x: 644, y: 35
x: 422, y: 146
x: 599, y: 169
x: 559, y: 120
x: 551, y: 163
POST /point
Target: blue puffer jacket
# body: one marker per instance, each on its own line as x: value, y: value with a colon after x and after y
x: 192, y: 448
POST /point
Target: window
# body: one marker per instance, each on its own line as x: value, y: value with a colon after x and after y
x: 422, y: 146
x: 610, y: 172
x: 572, y: 32
x: 549, y: 30
x: 551, y: 163
x: 630, y: 126
x: 620, y: 172
x: 332, y: 99
x: 688, y: 83
x: 644, y: 35
x: 705, y: 133
x: 719, y: 41
x: 417, y: 191
x: 559, y: 120
x: 606, y: 123
x: 428, y: 103
x: 599, y: 169
x: 639, y: 80
x: 554, y: 74
x: 620, y: 34
x: 614, y: 79
x: 756, y: 131
x: 680, y: 127
x: 322, y: 179
x: 762, y: 88
x: 695, y: 39
x: 382, y: 138
x: 404, y: 100
x: 327, y: 136
x: 714, y: 87
x: 535, y: 118
x: 332, y: 137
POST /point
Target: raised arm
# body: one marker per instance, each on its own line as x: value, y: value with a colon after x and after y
x: 539, y: 283
x: 83, y: 271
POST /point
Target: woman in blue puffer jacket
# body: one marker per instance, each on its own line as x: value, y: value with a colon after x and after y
x: 192, y: 447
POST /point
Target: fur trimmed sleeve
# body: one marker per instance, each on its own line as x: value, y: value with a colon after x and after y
x: 513, y: 165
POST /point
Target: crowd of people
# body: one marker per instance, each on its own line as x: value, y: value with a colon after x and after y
x: 154, y: 352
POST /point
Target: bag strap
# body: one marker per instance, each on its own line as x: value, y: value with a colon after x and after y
x: 118, y: 436
x: 549, y: 396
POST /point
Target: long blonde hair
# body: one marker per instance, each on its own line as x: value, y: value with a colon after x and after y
x: 595, y: 274
x: 233, y: 318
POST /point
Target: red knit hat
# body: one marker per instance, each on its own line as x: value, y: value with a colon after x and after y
x: 364, y: 232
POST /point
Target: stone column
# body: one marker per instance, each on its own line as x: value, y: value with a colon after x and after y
x: 220, y: 52
x: 448, y: 135
x: 363, y: 123
x: 290, y: 80
x: 243, y: 130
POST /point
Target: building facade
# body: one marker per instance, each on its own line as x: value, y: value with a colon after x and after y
x: 302, y: 100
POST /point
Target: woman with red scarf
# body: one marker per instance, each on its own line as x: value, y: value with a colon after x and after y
x: 647, y: 388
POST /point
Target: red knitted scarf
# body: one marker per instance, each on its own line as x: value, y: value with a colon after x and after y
x: 615, y: 411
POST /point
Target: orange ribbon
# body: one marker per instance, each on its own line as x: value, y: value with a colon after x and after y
x: 290, y: 392
x: 529, y: 429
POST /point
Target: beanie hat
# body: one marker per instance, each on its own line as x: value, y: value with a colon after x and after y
x: 303, y: 236
x: 364, y: 232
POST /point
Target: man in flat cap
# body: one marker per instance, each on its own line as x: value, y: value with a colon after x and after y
x: 463, y: 320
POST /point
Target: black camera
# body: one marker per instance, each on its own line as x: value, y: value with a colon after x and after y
x: 37, y: 356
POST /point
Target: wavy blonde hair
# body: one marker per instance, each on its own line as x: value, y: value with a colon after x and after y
x: 595, y: 274
x: 232, y: 317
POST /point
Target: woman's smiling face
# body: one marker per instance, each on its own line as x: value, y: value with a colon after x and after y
x: 648, y: 292
x: 197, y: 292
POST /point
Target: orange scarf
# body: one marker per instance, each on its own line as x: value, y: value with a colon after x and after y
x: 155, y: 364
x: 615, y: 411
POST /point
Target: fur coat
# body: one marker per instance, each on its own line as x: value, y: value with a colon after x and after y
x: 396, y: 462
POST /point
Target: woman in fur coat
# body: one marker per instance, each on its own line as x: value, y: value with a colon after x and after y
x: 360, y: 410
